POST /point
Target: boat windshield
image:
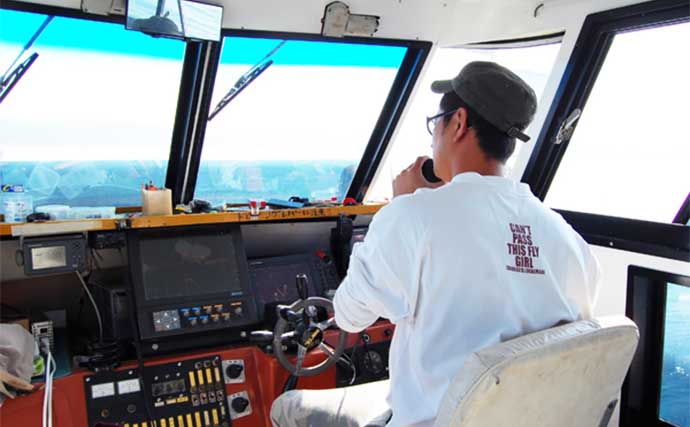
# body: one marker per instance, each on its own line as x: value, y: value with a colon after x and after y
x: 93, y: 118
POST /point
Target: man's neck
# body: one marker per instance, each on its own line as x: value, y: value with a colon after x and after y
x: 486, y: 168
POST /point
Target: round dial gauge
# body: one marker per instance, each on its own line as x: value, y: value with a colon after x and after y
x: 373, y: 362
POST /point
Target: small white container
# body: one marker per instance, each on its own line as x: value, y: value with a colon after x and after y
x: 87, y: 212
x: 16, y: 206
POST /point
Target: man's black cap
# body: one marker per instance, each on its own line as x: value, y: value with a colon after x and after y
x: 495, y: 93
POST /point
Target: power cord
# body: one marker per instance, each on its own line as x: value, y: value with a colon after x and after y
x: 350, y: 364
x: 95, y: 307
x: 50, y: 368
x: 103, y: 354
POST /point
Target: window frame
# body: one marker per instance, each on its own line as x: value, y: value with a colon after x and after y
x: 579, y: 77
x: 178, y: 146
x: 401, y: 89
x: 646, y: 306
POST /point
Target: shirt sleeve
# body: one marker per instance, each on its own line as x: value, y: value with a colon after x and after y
x: 382, y: 279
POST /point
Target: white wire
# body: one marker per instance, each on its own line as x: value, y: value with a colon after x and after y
x: 50, y: 368
x: 50, y: 404
x: 45, y: 393
x: 95, y: 307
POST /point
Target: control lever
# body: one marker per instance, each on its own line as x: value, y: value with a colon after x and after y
x: 287, y: 314
x: 302, y: 286
x: 261, y: 337
x: 266, y: 337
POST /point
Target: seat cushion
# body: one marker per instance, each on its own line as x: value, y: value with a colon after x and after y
x: 566, y: 376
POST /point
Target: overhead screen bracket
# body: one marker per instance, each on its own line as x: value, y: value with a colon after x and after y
x: 104, y: 7
x: 339, y: 22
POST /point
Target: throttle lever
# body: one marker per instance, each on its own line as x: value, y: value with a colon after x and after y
x: 287, y: 314
x: 302, y: 284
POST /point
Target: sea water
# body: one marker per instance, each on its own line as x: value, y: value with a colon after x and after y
x: 675, y: 379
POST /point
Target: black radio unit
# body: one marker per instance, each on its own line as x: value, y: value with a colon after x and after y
x: 189, y: 280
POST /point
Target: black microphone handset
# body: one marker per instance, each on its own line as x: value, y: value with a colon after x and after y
x: 428, y: 171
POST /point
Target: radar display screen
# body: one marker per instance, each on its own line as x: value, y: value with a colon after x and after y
x: 187, y: 266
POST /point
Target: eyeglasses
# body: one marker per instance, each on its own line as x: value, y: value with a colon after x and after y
x: 431, y: 121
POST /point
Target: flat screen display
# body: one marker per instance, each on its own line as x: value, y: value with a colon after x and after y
x: 201, y: 21
x: 189, y: 266
x: 48, y: 257
x: 275, y: 283
x: 178, y: 19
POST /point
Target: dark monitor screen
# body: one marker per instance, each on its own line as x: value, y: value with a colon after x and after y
x: 275, y: 283
x: 189, y: 266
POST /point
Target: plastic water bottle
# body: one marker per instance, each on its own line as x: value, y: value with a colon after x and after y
x: 16, y: 204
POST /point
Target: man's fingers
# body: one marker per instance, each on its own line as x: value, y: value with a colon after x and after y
x: 420, y: 161
x: 14, y: 381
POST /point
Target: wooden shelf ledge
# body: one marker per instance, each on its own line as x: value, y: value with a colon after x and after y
x: 81, y: 225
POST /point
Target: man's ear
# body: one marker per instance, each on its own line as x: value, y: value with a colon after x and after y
x: 459, y: 124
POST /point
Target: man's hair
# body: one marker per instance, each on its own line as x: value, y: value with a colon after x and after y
x: 494, y: 143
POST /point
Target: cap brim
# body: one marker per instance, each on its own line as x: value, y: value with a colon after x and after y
x: 442, y: 86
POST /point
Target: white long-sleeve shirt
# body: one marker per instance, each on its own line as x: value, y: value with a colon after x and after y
x: 473, y: 263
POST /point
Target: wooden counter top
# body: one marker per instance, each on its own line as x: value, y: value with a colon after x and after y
x: 287, y: 215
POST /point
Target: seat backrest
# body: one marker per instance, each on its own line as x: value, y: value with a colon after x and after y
x: 565, y: 376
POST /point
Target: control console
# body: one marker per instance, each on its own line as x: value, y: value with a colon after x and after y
x: 188, y: 280
x: 188, y: 318
x: 189, y: 393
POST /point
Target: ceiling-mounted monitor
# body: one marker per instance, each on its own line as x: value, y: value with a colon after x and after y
x: 181, y: 19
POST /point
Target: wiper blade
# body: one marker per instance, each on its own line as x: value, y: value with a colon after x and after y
x: 8, y: 83
x: 13, y: 75
x: 27, y: 46
x: 245, y: 80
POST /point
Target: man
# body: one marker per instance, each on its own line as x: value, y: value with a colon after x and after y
x: 474, y: 262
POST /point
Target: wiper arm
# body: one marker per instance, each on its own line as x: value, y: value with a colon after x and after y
x: 27, y: 46
x: 8, y: 83
x: 245, y: 80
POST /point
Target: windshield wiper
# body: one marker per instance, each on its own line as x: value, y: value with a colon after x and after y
x: 13, y: 75
x: 12, y: 78
x: 245, y: 80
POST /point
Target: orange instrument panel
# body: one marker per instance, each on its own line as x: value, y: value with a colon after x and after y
x: 248, y: 378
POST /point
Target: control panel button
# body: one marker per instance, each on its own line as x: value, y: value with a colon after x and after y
x: 234, y: 370
x: 239, y: 404
x: 184, y: 312
x: 193, y: 321
x: 196, y: 311
x: 203, y: 320
x: 238, y: 311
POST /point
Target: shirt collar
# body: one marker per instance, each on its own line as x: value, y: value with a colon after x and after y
x: 499, y: 181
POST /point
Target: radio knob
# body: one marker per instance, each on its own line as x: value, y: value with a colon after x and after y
x: 234, y: 370
x: 239, y: 404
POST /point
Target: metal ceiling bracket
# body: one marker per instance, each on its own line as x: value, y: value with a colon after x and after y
x: 337, y: 21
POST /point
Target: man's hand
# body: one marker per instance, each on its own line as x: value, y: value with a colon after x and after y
x: 410, y: 179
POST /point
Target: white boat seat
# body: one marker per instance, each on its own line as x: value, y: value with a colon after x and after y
x: 565, y: 376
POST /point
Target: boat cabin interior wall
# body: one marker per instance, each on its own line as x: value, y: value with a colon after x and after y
x: 427, y: 29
